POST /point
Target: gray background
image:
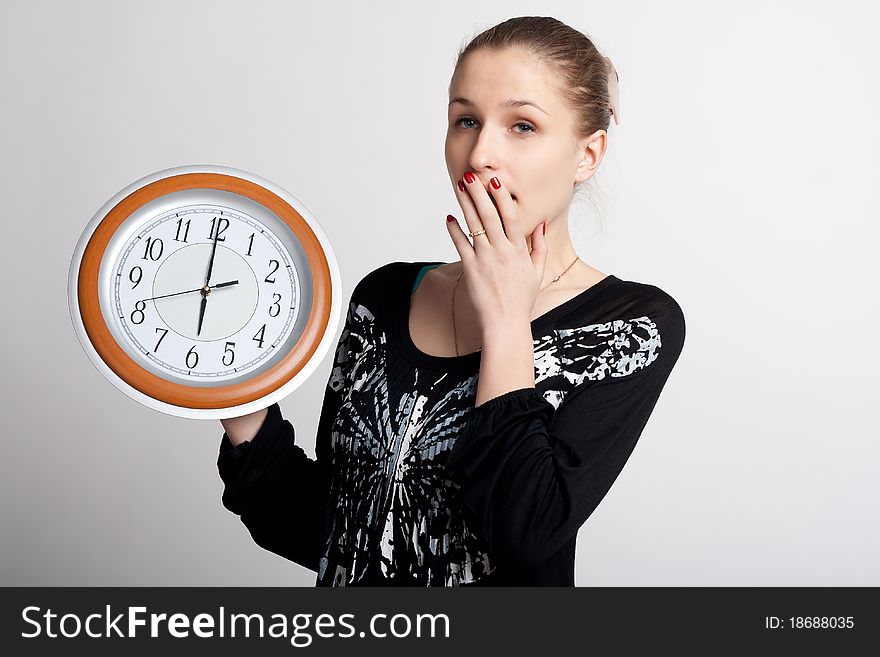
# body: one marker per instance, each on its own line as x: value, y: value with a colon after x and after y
x: 738, y: 181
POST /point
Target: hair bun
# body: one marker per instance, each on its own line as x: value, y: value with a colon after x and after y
x: 613, y: 90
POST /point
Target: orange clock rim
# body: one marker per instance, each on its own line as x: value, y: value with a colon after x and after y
x: 190, y: 396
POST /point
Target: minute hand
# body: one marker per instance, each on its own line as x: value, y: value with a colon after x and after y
x: 198, y: 289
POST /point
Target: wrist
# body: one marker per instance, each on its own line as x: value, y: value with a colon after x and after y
x: 508, y: 331
x: 245, y: 427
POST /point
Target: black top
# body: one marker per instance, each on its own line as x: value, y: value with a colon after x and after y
x: 413, y: 485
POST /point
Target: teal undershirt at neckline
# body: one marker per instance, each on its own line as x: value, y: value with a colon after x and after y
x: 422, y: 272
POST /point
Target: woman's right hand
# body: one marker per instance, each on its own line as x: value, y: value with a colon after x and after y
x: 245, y: 427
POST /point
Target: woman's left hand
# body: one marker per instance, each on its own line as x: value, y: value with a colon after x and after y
x: 503, y: 277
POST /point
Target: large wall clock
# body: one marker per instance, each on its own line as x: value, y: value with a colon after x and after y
x: 204, y: 292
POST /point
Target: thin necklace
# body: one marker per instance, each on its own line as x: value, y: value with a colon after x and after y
x: 455, y: 337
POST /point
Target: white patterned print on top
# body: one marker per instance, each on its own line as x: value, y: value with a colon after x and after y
x: 570, y: 357
x: 393, y: 513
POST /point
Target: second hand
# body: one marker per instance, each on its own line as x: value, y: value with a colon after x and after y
x: 198, y: 289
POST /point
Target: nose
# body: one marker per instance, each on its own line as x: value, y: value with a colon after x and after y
x: 486, y: 152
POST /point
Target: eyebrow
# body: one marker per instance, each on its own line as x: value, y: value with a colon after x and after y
x: 510, y: 102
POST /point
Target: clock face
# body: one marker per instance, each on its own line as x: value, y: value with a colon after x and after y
x: 188, y: 326
x: 204, y: 291
x: 172, y: 319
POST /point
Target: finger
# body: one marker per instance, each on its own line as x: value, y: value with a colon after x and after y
x: 471, y: 215
x: 508, y: 211
x: 539, y: 250
x: 460, y: 239
x: 489, y: 215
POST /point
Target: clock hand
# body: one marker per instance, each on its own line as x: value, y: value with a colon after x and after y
x: 213, y: 251
x: 202, y: 313
x: 198, y: 289
x: 226, y: 284
x: 205, y: 292
x: 207, y: 289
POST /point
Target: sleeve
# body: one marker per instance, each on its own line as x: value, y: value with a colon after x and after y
x: 281, y: 494
x: 530, y: 474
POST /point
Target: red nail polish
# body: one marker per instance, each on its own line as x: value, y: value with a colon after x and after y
x: 495, y: 183
x: 469, y: 176
x: 545, y: 228
x: 449, y: 217
x: 461, y: 185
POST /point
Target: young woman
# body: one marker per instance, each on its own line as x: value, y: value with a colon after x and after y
x: 478, y: 411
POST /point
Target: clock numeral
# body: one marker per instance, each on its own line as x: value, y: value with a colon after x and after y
x: 160, y: 339
x: 185, y: 232
x: 149, y: 250
x: 140, y: 273
x: 259, y: 336
x: 275, y: 304
x: 221, y: 225
x: 273, y: 271
x: 250, y: 244
x: 139, y: 308
x: 229, y: 351
x: 192, y: 353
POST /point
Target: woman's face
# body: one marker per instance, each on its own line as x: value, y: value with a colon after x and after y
x: 533, y: 151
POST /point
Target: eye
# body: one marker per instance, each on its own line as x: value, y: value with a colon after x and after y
x: 530, y: 127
